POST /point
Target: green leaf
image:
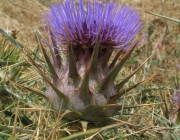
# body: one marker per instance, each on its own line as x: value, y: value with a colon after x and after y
x: 12, y: 138
x: 165, y: 17
x: 115, y: 59
x: 51, y: 68
x: 93, y: 113
x: 73, y: 115
x: 178, y: 117
x: 83, y: 96
x: 4, y: 136
x: 10, y: 54
x: 84, y: 92
x: 84, y: 125
x: 57, y: 59
x: 82, y: 135
x: 114, y: 98
x: 106, y: 57
x: 73, y: 73
x: 36, y: 91
x: 155, y: 89
x: 11, y: 39
x: 61, y: 96
x: 111, y: 109
x: 121, y: 84
x: 110, y: 77
x: 36, y: 52
x: 6, y: 63
x: 94, y: 59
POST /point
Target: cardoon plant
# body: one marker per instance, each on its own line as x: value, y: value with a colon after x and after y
x: 88, y: 34
x: 176, y: 101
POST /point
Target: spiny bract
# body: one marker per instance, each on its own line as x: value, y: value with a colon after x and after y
x: 85, y: 85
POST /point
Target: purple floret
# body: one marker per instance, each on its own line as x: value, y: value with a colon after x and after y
x: 117, y: 25
x: 176, y: 99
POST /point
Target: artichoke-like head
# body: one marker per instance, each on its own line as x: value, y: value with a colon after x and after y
x: 84, y: 83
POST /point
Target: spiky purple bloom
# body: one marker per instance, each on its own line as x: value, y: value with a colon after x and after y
x: 178, y: 66
x: 176, y: 99
x: 85, y: 83
x: 117, y: 25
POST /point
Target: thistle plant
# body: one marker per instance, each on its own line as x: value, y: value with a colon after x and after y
x: 87, y: 35
x: 176, y: 101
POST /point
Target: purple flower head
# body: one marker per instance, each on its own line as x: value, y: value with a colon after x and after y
x: 178, y: 66
x: 176, y: 99
x: 115, y: 25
